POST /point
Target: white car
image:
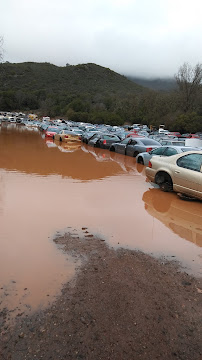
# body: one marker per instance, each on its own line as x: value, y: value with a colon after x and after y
x: 144, y: 157
x: 181, y: 173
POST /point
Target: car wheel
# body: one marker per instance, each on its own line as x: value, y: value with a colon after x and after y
x: 140, y: 160
x: 60, y: 139
x: 53, y: 137
x: 164, y: 181
x: 135, y: 153
x: 112, y: 148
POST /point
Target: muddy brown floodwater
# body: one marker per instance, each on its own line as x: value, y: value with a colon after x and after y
x: 46, y: 187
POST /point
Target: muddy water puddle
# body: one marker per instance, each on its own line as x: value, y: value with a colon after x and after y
x: 47, y: 187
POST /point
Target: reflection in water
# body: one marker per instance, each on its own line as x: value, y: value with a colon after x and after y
x: 25, y: 152
x: 128, y: 164
x: 50, y: 143
x: 182, y: 217
x: 70, y: 146
x: 43, y: 189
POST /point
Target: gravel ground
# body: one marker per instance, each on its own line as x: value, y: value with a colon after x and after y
x: 121, y: 304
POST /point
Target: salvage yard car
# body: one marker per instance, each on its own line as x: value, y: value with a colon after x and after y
x: 51, y: 131
x: 61, y: 135
x: 144, y: 157
x: 103, y: 141
x: 68, y: 135
x: 134, y: 146
x: 181, y: 173
x: 74, y: 135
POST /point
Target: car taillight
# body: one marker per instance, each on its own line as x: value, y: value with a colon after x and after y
x: 150, y: 164
x: 148, y: 149
x: 66, y: 136
x: 104, y: 142
x: 79, y: 137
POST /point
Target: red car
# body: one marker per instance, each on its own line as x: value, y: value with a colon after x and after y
x: 133, y: 134
x: 51, y: 131
x: 194, y: 136
x: 175, y: 133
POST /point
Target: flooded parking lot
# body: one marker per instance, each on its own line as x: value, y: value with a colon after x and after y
x: 47, y: 187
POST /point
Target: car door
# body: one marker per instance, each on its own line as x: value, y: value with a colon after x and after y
x: 94, y: 139
x: 112, y: 139
x: 130, y: 148
x: 121, y: 147
x: 187, y: 175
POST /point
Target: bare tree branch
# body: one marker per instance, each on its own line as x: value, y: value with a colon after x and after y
x: 189, y: 83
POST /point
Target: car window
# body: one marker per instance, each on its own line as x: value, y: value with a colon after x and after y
x: 191, y: 162
x: 115, y: 138
x: 125, y: 141
x: 170, y: 151
x: 158, y: 151
x: 93, y: 137
x: 149, y: 142
x: 133, y: 142
x: 109, y: 137
x: 178, y: 143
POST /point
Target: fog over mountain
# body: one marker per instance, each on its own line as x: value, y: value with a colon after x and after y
x: 143, y: 38
x: 159, y: 84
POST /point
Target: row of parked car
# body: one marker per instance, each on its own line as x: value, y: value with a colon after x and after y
x: 171, y: 164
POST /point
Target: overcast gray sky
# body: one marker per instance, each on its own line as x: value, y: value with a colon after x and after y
x: 149, y: 38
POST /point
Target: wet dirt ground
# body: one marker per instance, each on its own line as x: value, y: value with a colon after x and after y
x: 47, y: 188
x: 122, y: 304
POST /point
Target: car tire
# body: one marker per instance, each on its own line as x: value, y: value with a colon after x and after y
x: 60, y: 139
x: 53, y: 137
x: 112, y: 148
x: 140, y: 160
x: 164, y: 181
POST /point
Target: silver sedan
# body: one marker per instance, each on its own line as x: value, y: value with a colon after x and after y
x: 144, y: 157
x: 132, y: 146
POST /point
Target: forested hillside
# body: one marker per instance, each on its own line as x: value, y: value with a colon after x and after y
x: 80, y: 92
x: 92, y: 93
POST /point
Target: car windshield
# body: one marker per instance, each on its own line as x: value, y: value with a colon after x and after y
x: 158, y: 151
x: 109, y: 137
x: 78, y: 132
x: 65, y: 132
x: 177, y: 143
